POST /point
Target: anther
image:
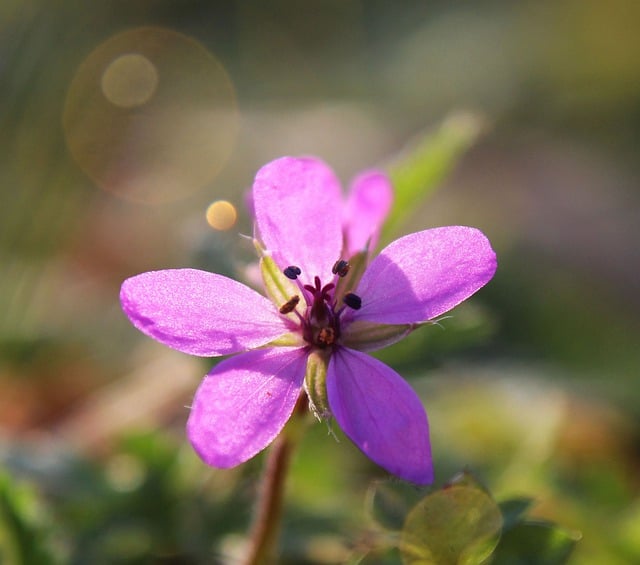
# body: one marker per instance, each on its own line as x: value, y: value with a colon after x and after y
x: 292, y: 272
x: 341, y: 268
x: 290, y: 305
x: 352, y: 300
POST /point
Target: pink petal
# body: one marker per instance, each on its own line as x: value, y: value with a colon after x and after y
x: 200, y: 313
x: 298, y: 213
x: 366, y: 208
x: 381, y: 414
x: 424, y: 274
x: 244, y: 403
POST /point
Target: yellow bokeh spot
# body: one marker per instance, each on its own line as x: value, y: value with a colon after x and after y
x: 221, y: 215
x: 125, y: 473
x: 129, y: 80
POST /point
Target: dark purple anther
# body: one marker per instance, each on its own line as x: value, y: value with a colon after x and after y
x: 341, y: 268
x: 352, y: 301
x: 292, y: 272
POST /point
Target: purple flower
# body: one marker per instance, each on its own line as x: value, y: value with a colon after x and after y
x: 321, y: 318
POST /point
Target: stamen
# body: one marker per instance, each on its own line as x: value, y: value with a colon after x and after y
x: 292, y: 272
x: 341, y: 268
x: 290, y: 305
x: 352, y: 300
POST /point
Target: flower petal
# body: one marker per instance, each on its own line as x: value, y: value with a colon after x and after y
x: 297, y: 209
x: 244, y: 403
x: 368, y: 203
x: 381, y: 414
x: 200, y: 313
x: 424, y: 274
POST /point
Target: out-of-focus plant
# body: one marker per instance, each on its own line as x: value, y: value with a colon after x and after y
x: 460, y: 523
x: 27, y: 528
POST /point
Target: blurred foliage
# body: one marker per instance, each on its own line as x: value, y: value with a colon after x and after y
x: 26, y: 527
x: 461, y: 523
x: 457, y: 524
x: 532, y: 384
x: 423, y: 167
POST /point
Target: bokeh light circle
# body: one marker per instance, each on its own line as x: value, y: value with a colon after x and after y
x: 130, y: 80
x: 151, y: 115
x: 221, y: 215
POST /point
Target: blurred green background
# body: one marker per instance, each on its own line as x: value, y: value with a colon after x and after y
x: 122, y: 122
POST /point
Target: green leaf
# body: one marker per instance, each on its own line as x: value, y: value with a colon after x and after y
x: 26, y: 529
x: 417, y: 173
x: 466, y: 478
x: 513, y: 510
x: 535, y: 543
x: 389, y: 502
x: 456, y: 525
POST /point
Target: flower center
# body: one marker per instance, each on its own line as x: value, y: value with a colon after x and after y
x: 320, y: 323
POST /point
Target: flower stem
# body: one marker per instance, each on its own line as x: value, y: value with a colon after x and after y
x: 268, y: 510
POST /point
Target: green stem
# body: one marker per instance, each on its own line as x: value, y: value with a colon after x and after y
x: 268, y: 511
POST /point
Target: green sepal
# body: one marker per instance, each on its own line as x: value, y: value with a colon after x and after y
x: 348, y: 283
x: 290, y: 339
x: 278, y: 287
x: 315, y: 383
x: 369, y: 336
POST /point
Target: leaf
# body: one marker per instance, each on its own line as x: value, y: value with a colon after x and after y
x: 458, y: 524
x: 416, y: 174
x: 26, y: 529
x: 535, y: 543
x: 513, y: 511
x: 389, y: 502
x: 466, y: 478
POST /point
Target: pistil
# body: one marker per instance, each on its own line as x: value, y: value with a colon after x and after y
x: 321, y: 323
